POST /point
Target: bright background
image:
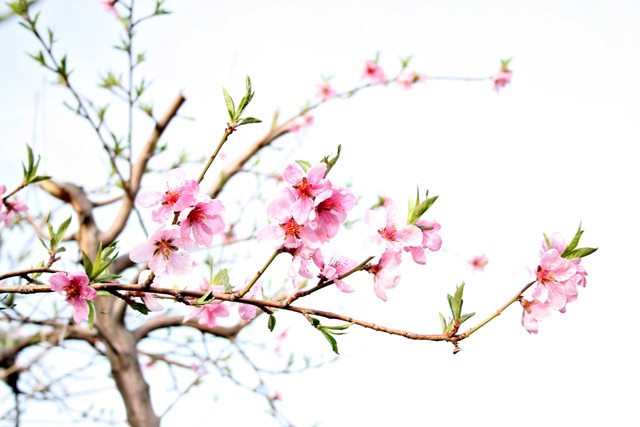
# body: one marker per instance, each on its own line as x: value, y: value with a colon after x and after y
x: 556, y: 147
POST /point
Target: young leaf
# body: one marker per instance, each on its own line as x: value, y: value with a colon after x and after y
x: 271, y: 324
x: 574, y: 241
x: 578, y: 253
x: 248, y: 120
x: 140, y: 307
x: 304, y: 165
x: 205, y: 299
x: 230, y: 106
x: 332, y: 340
x: 92, y: 313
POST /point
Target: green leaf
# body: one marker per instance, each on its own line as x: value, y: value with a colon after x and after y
x: 88, y: 265
x: 104, y: 294
x: 331, y: 162
x: 443, y: 322
x: 230, y: 106
x: 574, y: 241
x: 304, y: 165
x: 107, y: 276
x: 578, y: 253
x: 222, y: 279
x: 271, y: 324
x: 248, y: 120
x: 205, y: 299
x: 61, y: 231
x: 338, y: 328
x: 246, y: 99
x: 332, y: 341
x: 140, y: 307
x: 92, y: 313
x: 466, y: 317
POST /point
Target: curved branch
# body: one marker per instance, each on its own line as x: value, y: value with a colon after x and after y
x: 162, y: 322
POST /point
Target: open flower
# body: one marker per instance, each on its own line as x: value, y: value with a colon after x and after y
x: 326, y: 91
x: 431, y: 240
x: 179, y: 195
x: 479, y: 262
x: 163, y: 252
x: 390, y: 234
x: 77, y: 290
x: 373, y: 73
x: 201, y: 221
x: 386, y: 274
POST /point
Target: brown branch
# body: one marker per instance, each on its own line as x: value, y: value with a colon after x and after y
x: 161, y: 322
x: 55, y: 336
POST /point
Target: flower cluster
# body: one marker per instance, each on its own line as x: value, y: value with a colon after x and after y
x: 9, y: 208
x: 557, y: 279
x: 392, y: 238
x: 307, y: 215
x: 196, y: 219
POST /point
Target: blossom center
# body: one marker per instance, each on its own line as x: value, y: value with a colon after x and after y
x: 291, y: 228
x: 303, y: 188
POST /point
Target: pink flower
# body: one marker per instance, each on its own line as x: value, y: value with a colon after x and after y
x: 533, y: 312
x: 201, y: 221
x: 289, y: 234
x: 503, y: 77
x: 247, y: 311
x: 77, y: 290
x: 207, y: 314
x: 163, y: 253
x: 306, y: 188
x: 326, y: 91
x: 373, y: 73
x: 386, y: 273
x: 149, y: 299
x: 408, y: 79
x: 109, y: 5
x: 478, y: 262
x: 334, y: 269
x: 556, y: 283
x: 329, y: 213
x: 431, y: 240
x: 552, y: 271
x: 180, y: 194
x: 390, y: 234
x: 11, y: 208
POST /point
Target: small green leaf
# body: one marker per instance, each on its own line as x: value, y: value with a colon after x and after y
x: 466, y: 317
x: 222, y: 279
x: 88, y: 265
x: 443, y: 322
x: 332, y: 341
x: 205, y: 299
x: 574, y: 241
x: 304, y: 165
x: 248, y: 120
x: 92, y: 313
x: 578, y: 253
x: 107, y: 276
x: 104, y: 294
x: 331, y: 162
x: 271, y: 324
x: 230, y: 106
x: 140, y: 307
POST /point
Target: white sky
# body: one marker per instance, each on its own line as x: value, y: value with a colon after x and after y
x: 556, y: 147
